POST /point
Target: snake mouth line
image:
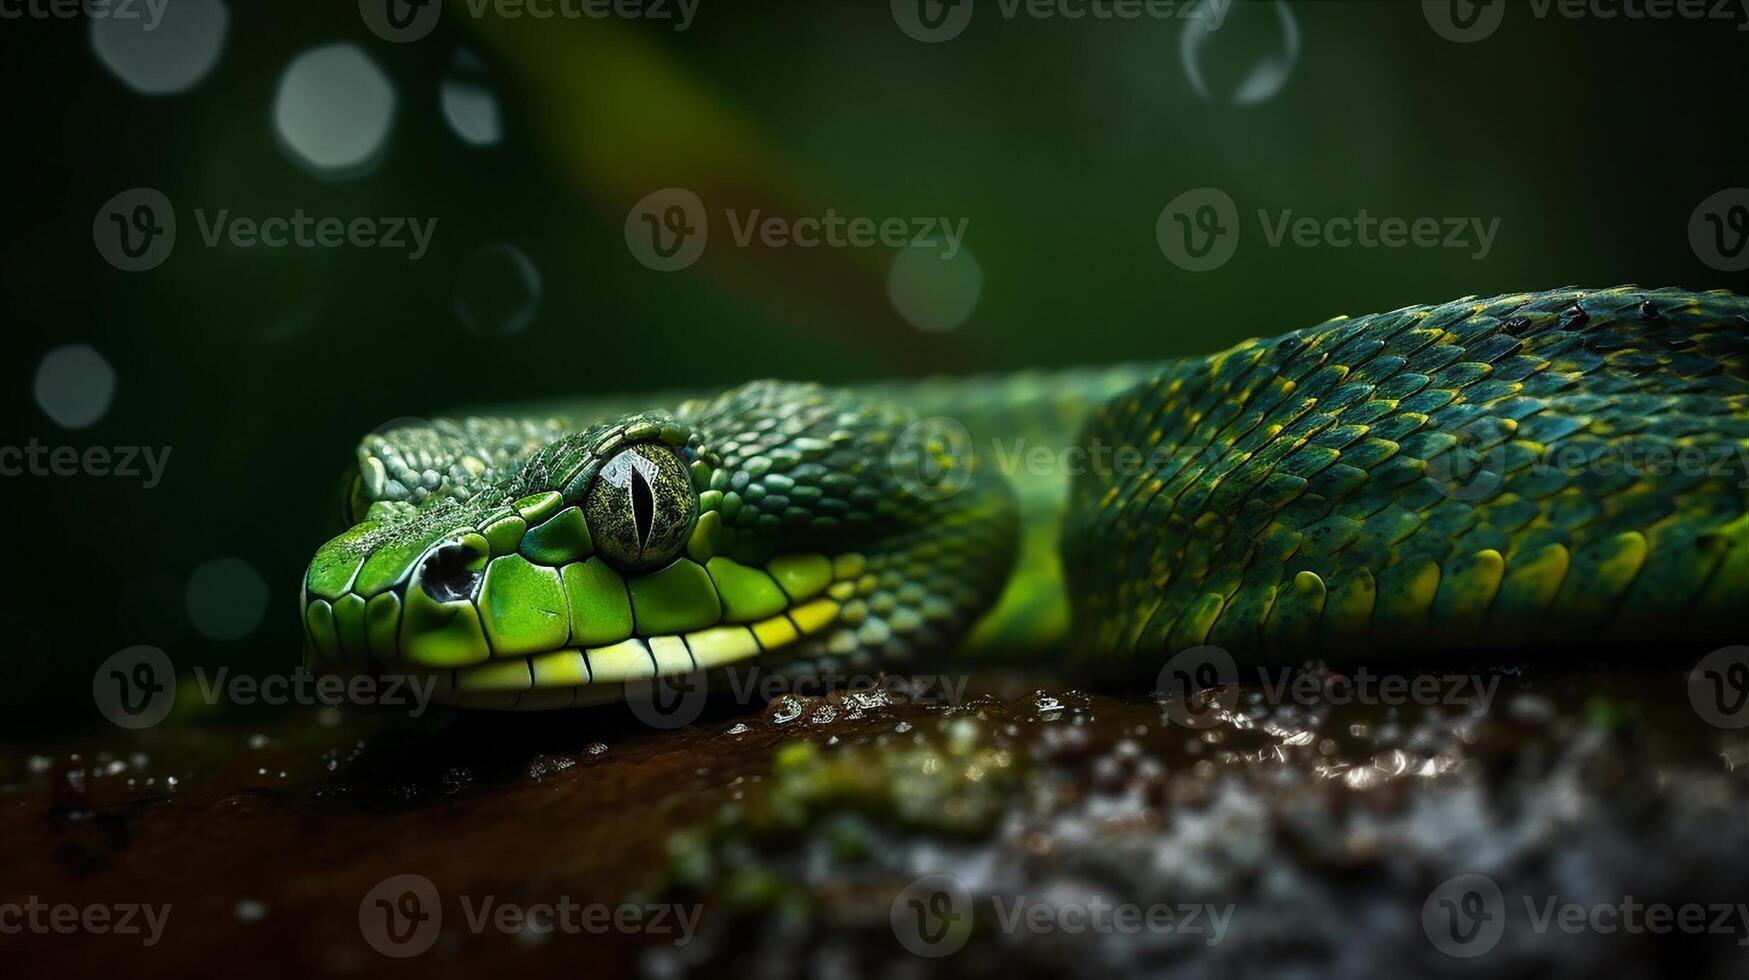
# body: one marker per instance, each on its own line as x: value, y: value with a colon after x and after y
x: 582, y: 677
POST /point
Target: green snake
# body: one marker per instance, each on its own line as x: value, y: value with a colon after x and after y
x: 1487, y: 474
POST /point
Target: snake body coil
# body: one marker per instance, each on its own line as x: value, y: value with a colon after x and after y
x: 1491, y: 474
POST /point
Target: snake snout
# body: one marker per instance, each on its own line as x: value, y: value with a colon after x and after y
x: 451, y: 571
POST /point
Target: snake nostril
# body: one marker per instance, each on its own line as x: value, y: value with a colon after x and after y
x: 451, y: 573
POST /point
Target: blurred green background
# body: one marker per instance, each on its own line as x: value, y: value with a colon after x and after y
x: 1058, y: 141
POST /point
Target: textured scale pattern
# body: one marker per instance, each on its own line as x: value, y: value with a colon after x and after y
x: 1521, y: 472
x: 808, y: 467
x: 1473, y: 475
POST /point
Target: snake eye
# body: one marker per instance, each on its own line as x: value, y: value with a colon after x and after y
x: 641, y: 506
x: 452, y: 572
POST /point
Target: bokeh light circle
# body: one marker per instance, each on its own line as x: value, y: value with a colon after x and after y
x: 497, y: 291
x: 161, y: 49
x: 933, y: 291
x: 469, y: 104
x: 74, y: 386
x: 226, y: 599
x: 333, y: 110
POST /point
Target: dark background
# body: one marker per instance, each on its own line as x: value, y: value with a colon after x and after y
x: 1592, y: 141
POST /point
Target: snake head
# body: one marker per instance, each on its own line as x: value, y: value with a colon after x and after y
x: 763, y: 526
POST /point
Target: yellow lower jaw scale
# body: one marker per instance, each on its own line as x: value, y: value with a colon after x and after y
x: 582, y: 677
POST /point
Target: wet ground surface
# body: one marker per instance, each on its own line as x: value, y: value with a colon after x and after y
x: 1310, y: 830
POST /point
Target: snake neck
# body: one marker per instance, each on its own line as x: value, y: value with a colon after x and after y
x: 1027, y: 430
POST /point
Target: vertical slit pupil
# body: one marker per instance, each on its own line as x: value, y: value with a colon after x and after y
x: 643, y: 507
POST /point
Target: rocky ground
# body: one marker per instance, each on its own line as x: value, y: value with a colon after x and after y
x: 1505, y: 823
